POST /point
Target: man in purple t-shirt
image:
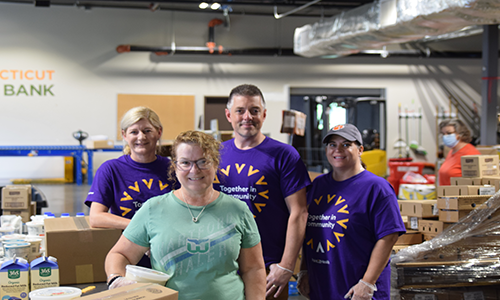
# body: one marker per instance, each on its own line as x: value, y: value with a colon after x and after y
x: 271, y: 178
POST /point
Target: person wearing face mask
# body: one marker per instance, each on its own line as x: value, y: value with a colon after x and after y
x: 457, y: 137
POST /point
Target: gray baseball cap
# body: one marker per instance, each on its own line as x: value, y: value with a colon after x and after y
x: 347, y: 131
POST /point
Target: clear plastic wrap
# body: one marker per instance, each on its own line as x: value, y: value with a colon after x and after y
x: 464, y: 258
x: 372, y: 25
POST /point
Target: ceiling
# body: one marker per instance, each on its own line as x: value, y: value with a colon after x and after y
x: 464, y: 47
x: 326, y: 8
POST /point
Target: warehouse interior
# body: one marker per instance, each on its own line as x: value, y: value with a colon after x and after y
x: 69, y: 67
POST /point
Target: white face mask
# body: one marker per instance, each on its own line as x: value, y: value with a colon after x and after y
x: 450, y: 140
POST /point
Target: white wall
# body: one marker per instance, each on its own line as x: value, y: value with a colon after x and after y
x: 79, y: 47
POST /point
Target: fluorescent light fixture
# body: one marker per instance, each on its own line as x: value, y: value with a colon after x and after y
x: 203, y: 5
x: 215, y: 6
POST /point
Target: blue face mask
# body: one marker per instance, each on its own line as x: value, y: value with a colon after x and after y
x: 450, y: 140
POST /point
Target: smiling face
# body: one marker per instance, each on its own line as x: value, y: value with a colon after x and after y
x: 246, y: 115
x: 194, y: 181
x: 142, y: 137
x: 343, y: 154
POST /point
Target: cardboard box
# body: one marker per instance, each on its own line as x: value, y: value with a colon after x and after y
x: 313, y: 175
x: 431, y: 227
x: 463, y: 190
x: 16, y: 197
x: 100, y: 144
x: 417, y: 191
x: 419, y: 208
x: 493, y: 181
x: 414, y: 222
x: 411, y: 237
x: 80, y: 250
x: 452, y: 216
x: 406, y: 221
x: 452, y: 293
x: 479, y: 165
x: 24, y: 213
x: 487, y: 150
x: 150, y: 291
x: 466, y: 181
x: 294, y: 122
x: 397, y: 248
x: 428, y: 236
x: 461, y: 202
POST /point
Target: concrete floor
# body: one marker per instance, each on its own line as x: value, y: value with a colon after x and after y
x: 69, y: 198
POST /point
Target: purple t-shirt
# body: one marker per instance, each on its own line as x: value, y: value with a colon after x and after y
x: 123, y: 185
x: 345, y: 221
x: 262, y: 177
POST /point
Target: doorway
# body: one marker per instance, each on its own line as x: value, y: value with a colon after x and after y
x: 215, y: 109
x: 327, y: 107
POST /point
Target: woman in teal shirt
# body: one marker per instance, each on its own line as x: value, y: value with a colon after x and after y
x: 206, y: 240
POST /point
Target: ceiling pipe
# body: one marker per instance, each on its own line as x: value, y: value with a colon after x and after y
x: 279, y: 16
x: 211, y: 35
x: 206, y: 51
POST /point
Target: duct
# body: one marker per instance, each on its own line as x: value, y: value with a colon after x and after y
x: 387, y: 22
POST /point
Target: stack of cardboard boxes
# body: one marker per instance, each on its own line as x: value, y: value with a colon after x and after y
x: 462, y: 262
x: 414, y: 213
x: 16, y: 200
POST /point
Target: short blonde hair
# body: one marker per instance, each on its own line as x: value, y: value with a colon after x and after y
x: 208, y: 144
x: 136, y: 114
x: 460, y: 128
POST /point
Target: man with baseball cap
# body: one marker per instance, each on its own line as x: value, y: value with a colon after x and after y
x: 354, y: 221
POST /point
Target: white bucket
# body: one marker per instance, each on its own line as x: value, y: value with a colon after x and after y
x: 6, y: 231
x: 35, y: 228
x: 141, y: 274
x: 56, y: 293
x: 20, y: 250
x: 35, y: 244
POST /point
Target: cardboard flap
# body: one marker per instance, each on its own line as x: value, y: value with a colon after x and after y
x: 68, y: 224
x: 137, y: 291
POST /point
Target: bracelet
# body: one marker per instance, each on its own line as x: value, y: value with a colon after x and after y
x: 113, y: 279
x: 372, y: 286
x: 284, y: 269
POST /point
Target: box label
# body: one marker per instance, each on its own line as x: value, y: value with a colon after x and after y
x: 490, y: 190
x: 14, y: 283
x: 414, y: 223
x: 44, y: 277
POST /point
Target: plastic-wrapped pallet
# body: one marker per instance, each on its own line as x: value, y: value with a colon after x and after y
x: 462, y: 262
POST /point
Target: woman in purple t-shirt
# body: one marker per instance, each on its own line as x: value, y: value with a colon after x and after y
x: 353, y: 223
x: 122, y: 185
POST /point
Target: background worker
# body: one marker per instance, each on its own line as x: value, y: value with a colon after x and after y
x: 122, y: 185
x: 457, y: 137
x: 271, y: 178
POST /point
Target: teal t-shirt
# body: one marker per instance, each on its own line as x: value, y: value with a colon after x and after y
x: 201, y: 257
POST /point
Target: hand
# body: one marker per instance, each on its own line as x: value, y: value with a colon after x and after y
x: 120, y: 281
x: 303, y: 283
x: 361, y: 291
x: 277, y: 280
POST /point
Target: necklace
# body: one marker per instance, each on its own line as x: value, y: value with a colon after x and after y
x: 195, y: 219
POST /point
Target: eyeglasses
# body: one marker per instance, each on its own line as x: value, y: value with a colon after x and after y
x: 187, y: 165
